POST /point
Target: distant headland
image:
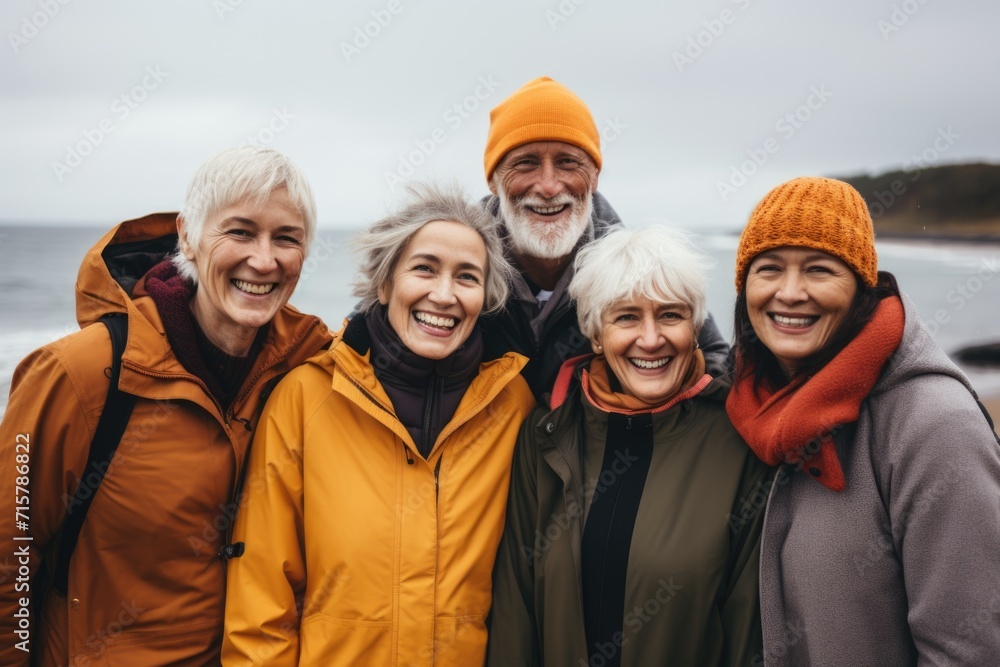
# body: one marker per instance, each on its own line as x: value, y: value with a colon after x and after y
x: 957, y: 201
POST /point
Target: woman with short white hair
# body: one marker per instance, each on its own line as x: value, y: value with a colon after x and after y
x: 208, y: 333
x: 632, y: 527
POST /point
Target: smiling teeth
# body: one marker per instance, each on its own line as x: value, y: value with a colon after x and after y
x: 793, y: 321
x: 548, y: 210
x: 642, y: 363
x: 435, y: 321
x: 250, y: 288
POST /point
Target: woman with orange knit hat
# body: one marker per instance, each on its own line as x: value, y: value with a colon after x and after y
x: 883, y: 525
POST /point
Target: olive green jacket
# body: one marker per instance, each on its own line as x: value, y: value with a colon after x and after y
x: 692, y: 581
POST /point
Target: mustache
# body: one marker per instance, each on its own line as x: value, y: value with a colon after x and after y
x: 536, y: 201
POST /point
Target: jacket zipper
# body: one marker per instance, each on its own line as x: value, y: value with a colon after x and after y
x: 437, y: 548
x: 180, y: 376
x: 428, y: 444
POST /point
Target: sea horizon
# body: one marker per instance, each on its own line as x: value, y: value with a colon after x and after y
x: 952, y: 284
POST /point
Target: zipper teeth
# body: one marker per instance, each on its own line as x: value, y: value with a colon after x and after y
x: 366, y: 393
x: 437, y: 545
x: 428, y: 410
x: 178, y: 376
x: 292, y: 349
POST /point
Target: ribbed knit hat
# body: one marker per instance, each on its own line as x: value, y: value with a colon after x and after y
x: 820, y: 213
x: 540, y: 110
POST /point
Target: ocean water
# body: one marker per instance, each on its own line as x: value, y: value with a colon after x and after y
x: 955, y: 286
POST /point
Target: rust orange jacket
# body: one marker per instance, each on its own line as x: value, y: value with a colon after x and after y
x: 358, y: 550
x: 145, y: 584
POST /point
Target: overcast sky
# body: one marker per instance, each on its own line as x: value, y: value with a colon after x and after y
x: 110, y: 106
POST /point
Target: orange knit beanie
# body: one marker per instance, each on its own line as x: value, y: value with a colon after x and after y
x: 540, y: 110
x: 820, y: 213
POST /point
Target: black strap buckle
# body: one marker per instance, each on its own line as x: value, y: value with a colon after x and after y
x: 234, y: 550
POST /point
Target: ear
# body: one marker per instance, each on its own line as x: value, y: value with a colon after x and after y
x: 383, y: 295
x: 595, y: 345
x: 493, y: 183
x: 186, y: 249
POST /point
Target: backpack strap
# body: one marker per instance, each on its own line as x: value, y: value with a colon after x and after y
x: 114, y: 418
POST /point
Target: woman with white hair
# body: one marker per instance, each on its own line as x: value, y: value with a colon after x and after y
x: 633, y: 528
x: 208, y: 333
x: 387, y: 462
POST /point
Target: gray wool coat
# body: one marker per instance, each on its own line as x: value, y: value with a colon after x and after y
x: 903, y: 566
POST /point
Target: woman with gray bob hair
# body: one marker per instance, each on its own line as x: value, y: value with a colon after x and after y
x: 385, y: 240
x: 627, y: 541
x: 407, y: 425
x: 247, y: 174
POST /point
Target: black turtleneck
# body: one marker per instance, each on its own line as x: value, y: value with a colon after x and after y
x: 424, y: 392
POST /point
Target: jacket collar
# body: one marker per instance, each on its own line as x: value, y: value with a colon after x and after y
x: 111, y: 279
x: 348, y: 361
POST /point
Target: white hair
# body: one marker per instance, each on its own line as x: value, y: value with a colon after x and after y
x: 244, y: 174
x: 655, y: 263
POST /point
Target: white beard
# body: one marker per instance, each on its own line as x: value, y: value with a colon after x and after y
x: 545, y: 240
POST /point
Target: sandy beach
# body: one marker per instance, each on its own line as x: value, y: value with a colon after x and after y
x: 992, y: 404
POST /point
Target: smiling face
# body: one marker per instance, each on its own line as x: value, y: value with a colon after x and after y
x: 796, y: 300
x: 248, y: 260
x: 545, y: 190
x: 649, y: 346
x: 436, y: 292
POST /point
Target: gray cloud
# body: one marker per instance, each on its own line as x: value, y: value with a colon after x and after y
x: 356, y: 106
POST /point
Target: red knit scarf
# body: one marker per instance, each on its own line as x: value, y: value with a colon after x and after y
x: 796, y: 423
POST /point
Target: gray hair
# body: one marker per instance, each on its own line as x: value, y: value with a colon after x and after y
x: 244, y: 174
x: 656, y: 263
x: 384, y: 242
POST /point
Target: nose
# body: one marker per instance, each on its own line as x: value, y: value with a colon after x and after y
x: 548, y: 184
x: 791, y: 288
x: 262, y: 258
x: 442, y: 293
x: 650, y: 336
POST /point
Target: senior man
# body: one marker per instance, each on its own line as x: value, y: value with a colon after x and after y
x: 543, y: 159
